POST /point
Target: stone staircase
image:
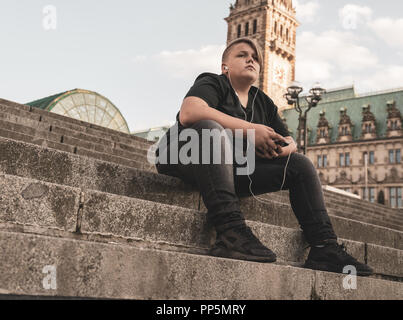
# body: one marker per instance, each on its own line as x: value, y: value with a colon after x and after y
x: 84, y: 199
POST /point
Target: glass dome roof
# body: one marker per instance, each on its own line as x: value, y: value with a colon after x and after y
x: 86, y: 106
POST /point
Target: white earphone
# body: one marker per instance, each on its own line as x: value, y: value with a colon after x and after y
x: 253, y: 105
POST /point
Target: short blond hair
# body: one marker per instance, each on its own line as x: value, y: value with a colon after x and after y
x: 252, y: 43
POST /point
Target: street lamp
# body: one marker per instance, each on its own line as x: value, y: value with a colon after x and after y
x: 312, y: 100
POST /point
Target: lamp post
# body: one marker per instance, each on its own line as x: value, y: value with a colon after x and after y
x: 312, y: 100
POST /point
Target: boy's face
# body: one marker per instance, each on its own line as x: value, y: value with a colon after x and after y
x: 242, y: 62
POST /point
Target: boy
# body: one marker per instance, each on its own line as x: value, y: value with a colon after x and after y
x: 230, y: 102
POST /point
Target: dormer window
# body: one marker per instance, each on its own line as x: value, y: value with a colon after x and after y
x: 368, y: 128
x: 322, y: 133
x: 394, y: 120
x: 345, y: 126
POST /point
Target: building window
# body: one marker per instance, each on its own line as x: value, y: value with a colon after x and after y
x: 398, y: 156
x: 247, y: 29
x: 394, y: 125
x: 344, y: 159
x: 254, y: 26
x: 368, y: 192
x: 322, y: 133
x: 395, y: 197
x: 324, y: 161
x: 341, y: 159
x: 391, y: 156
x: 275, y: 27
x: 371, y: 157
x: 319, y: 161
x: 239, y: 30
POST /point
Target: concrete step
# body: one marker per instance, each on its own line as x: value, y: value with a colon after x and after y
x: 351, y: 211
x: 33, y: 113
x: 48, y: 266
x: 336, y: 200
x: 377, y: 209
x: 26, y: 160
x: 53, y: 136
x: 131, y: 156
x: 124, y: 154
x: 45, y: 205
x: 92, y: 142
x: 48, y: 140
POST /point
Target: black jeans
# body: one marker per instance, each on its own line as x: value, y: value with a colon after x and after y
x: 221, y: 188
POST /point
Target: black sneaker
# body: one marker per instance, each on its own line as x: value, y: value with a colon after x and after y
x: 240, y: 243
x: 333, y: 257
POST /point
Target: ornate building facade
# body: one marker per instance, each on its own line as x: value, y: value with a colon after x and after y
x: 273, y: 25
x: 356, y: 142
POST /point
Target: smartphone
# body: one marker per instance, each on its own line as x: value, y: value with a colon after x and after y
x: 282, y: 144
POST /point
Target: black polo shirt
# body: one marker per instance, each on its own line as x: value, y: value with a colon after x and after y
x: 217, y: 92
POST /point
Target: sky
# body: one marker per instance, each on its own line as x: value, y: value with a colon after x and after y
x: 145, y: 55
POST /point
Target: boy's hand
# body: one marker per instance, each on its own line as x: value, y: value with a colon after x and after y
x: 265, y: 141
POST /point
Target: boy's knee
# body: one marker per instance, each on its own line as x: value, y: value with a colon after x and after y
x: 301, y: 162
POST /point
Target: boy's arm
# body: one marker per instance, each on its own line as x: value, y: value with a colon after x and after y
x: 194, y: 109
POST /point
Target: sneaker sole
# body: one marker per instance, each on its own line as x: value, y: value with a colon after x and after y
x: 230, y: 254
x: 323, y: 266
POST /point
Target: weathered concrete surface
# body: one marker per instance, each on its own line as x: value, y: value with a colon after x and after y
x: 33, y: 202
x: 75, y: 128
x: 85, y: 269
x: 381, y: 259
x: 329, y: 286
x: 48, y: 204
x: 27, y: 160
x: 140, y: 219
x: 136, y: 218
x: 73, y: 124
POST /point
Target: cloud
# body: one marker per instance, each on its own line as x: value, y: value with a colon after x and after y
x: 335, y: 59
x: 185, y: 64
x: 388, y: 29
x: 352, y: 15
x: 306, y: 11
x: 332, y: 50
x: 383, y: 77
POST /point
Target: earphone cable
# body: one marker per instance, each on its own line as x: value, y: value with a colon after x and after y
x: 259, y: 199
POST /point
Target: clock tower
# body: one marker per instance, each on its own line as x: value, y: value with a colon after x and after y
x: 272, y: 24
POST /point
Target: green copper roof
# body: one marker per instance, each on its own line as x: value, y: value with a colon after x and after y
x: 336, y: 99
x: 44, y: 103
